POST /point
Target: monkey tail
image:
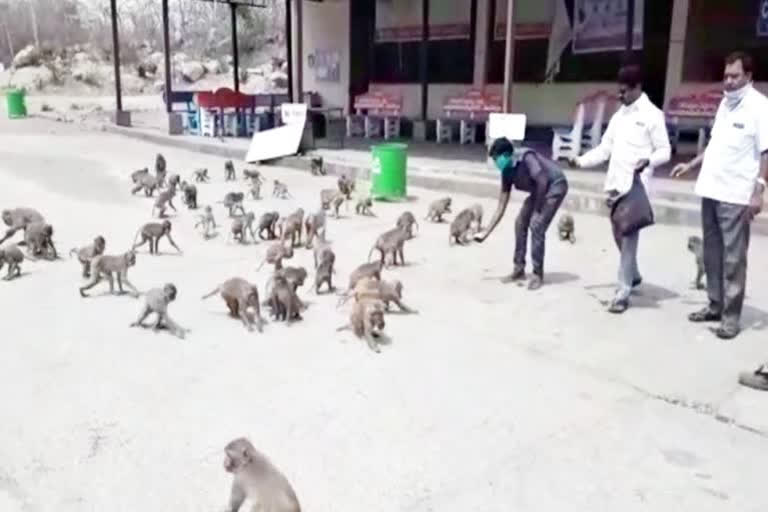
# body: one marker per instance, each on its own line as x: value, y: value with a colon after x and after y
x: 211, y: 294
x: 136, y: 236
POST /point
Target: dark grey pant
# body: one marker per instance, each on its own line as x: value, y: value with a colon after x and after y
x: 726, y: 240
x: 552, y: 201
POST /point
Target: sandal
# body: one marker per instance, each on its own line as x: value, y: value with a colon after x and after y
x: 518, y: 274
x: 704, y: 315
x: 618, y: 306
x: 726, y: 333
x: 755, y: 380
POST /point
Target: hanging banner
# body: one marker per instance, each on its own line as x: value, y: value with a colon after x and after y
x: 399, y: 21
x: 533, y: 20
x: 559, y: 39
x: 762, y: 19
x: 601, y: 25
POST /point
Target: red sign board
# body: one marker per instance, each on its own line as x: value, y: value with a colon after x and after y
x: 473, y: 103
x: 379, y: 101
x: 702, y: 104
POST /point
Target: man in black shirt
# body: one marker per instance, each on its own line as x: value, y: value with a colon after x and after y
x: 545, y: 182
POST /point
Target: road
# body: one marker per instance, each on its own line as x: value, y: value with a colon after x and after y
x: 492, y: 398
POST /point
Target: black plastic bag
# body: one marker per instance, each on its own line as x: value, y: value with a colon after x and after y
x: 632, y: 212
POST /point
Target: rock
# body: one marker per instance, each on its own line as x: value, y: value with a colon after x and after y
x: 212, y: 67
x: 146, y: 69
x: 279, y: 80
x: 132, y: 84
x: 179, y: 58
x: 192, y: 71
x: 28, y: 56
x: 31, y: 78
x: 80, y: 58
x: 157, y: 59
x: 88, y: 73
x: 158, y: 86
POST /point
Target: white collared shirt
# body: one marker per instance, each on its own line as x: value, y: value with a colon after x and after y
x: 732, y: 158
x: 635, y: 132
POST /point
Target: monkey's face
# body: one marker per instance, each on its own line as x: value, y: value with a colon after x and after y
x: 170, y: 292
x: 167, y: 226
x: 130, y: 258
x: 48, y: 230
x: 694, y: 243
x: 99, y: 243
x: 7, y: 217
x: 252, y: 300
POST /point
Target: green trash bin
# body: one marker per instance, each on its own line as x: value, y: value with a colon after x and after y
x: 17, y: 107
x: 388, y: 177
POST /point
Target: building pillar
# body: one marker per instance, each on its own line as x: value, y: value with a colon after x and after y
x: 676, y: 48
x: 509, y: 57
x: 482, y: 26
x: 298, y: 74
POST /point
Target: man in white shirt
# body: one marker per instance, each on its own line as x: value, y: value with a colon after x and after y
x: 731, y: 183
x: 636, y: 141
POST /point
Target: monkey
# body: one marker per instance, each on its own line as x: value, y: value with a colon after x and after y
x: 86, y: 254
x: 283, y: 300
x: 255, y: 478
x: 461, y: 227
x: 406, y: 221
x: 201, y: 176
x: 363, y: 207
x: 385, y: 291
x: 13, y: 256
x: 316, y: 166
x: 326, y: 197
x: 174, y: 180
x: 390, y: 242
x: 234, y: 201
x: 243, y: 225
x: 566, y: 228
x: 324, y: 270
x: 346, y: 186
x: 38, y: 237
x: 161, y: 170
x: 152, y: 232
x: 268, y: 223
x: 696, y: 247
x: 314, y: 225
x: 477, y: 209
x: 229, y: 171
x: 292, y: 226
x: 361, y: 272
x: 366, y: 321
x: 148, y: 183
x: 252, y: 174
x: 137, y: 175
x: 239, y: 295
x: 294, y: 275
x: 17, y: 219
x: 336, y: 203
x: 207, y: 221
x: 157, y: 301
x: 438, y: 208
x: 189, y: 195
x: 319, y: 252
x: 164, y: 199
x: 280, y: 190
x: 275, y: 255
x: 255, y: 189
x: 104, y: 266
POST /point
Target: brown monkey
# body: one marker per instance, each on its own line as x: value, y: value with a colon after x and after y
x: 201, y: 176
x: 157, y: 300
x: 439, y: 208
x: 406, y: 221
x: 207, y: 221
x: 284, y: 302
x: 243, y: 225
x: 315, y: 226
x: 276, y: 253
x: 152, y: 232
x: 240, y: 295
x: 294, y: 275
x: 104, y: 266
x: 385, y: 291
x: 268, y: 223
x: 461, y: 227
x: 324, y: 269
x: 161, y: 169
x: 280, y: 190
x: 291, y: 227
x: 86, y: 254
x: 367, y: 322
x: 321, y: 251
x: 148, y: 183
x: 229, y: 171
x: 346, y: 186
x: 189, y: 195
x: 390, y: 242
x: 363, y: 207
x: 316, y: 166
x: 327, y: 195
x: 174, y: 180
x: 17, y: 219
x: 38, y: 237
x: 234, y: 201
x: 566, y: 228
x: 252, y: 174
x: 256, y: 189
x: 361, y: 272
x: 255, y: 478
x: 477, y: 209
x: 164, y: 199
x: 13, y: 256
x: 136, y: 175
x: 696, y: 247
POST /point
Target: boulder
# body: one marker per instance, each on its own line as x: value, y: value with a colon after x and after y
x: 88, y: 73
x: 212, y: 67
x: 192, y: 71
x: 28, y: 56
x: 157, y: 59
x: 132, y: 84
x: 80, y: 58
x: 31, y: 78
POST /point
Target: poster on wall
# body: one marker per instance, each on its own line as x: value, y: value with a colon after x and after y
x: 326, y: 65
x: 533, y: 20
x: 762, y: 19
x: 399, y: 21
x: 601, y: 25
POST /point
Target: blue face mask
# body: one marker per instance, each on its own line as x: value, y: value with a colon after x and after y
x: 502, y: 161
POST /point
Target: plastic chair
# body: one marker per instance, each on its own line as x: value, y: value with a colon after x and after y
x: 591, y: 139
x: 567, y: 144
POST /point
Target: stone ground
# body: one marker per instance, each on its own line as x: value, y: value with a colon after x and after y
x: 493, y: 398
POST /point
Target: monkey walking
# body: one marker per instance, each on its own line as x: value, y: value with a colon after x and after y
x: 406, y: 221
x: 363, y: 207
x: 255, y: 478
x: 242, y: 226
x: 280, y: 190
x: 104, y: 266
x: 148, y: 183
x: 461, y: 227
x: 268, y: 223
x: 152, y: 232
x: 696, y: 247
x: 137, y: 175
x: 229, y: 171
x: 390, y: 242
x: 201, y: 176
x: 157, y: 300
x: 316, y: 166
x: 234, y: 202
x: 239, y: 295
x: 189, y: 195
x: 85, y: 255
x: 256, y: 188
x: 438, y: 208
x: 276, y: 253
x: 207, y: 221
x: 12, y: 256
x: 164, y: 200
x: 314, y: 225
x: 566, y: 228
x: 366, y: 321
x: 370, y: 288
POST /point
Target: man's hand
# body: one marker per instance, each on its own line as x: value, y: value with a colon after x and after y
x: 755, y: 204
x: 641, y: 165
x: 680, y: 170
x: 480, y: 236
x: 611, y: 199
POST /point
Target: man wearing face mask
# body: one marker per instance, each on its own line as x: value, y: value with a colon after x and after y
x: 527, y: 170
x: 734, y: 169
x: 636, y: 141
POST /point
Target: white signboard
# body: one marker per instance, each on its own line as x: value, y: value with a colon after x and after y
x: 275, y: 143
x: 511, y: 126
x: 601, y: 25
x: 293, y: 113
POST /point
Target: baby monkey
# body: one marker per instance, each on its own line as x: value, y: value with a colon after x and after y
x: 207, y: 221
x: 86, y: 254
x: 201, y: 176
x: 566, y: 228
x: 157, y: 300
x: 696, y: 246
x: 229, y: 171
x: 280, y: 190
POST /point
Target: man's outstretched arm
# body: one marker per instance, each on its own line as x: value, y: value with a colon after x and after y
x: 501, y: 208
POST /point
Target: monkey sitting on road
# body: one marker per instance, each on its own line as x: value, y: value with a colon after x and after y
x: 207, y: 221
x: 276, y: 253
x: 256, y: 479
x: 406, y: 221
x: 316, y: 166
x: 38, y: 237
x: 19, y: 218
x: 696, y: 247
x: 164, y: 199
x: 390, y: 242
x: 367, y: 322
x: 189, y: 195
x: 239, y: 295
x: 477, y: 209
x: 242, y: 226
x: 86, y: 254
x: 280, y: 190
x: 157, y: 300
x: 438, y: 208
x: 136, y: 175
x: 283, y: 301
x: 268, y: 223
x: 229, y: 171
x: 324, y: 261
x: 461, y: 227
x: 12, y: 256
x: 234, y: 201
x: 566, y: 228
x: 104, y: 266
x: 201, y: 176
x: 363, y: 207
x: 152, y: 232
x: 148, y: 183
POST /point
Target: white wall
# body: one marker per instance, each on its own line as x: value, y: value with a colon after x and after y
x: 326, y: 27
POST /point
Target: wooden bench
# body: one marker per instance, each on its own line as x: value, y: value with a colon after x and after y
x: 468, y: 110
